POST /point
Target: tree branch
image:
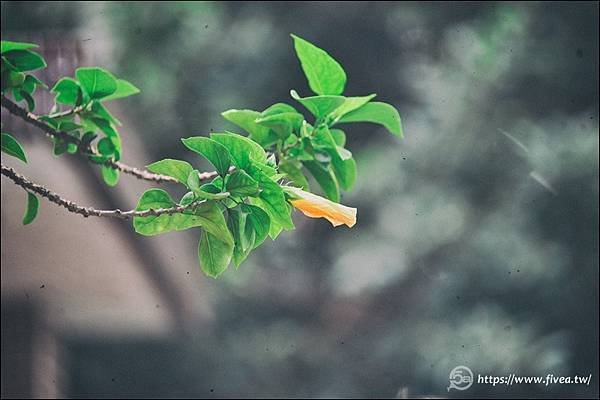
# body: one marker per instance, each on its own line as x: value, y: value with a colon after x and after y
x: 30, y: 186
x: 34, y: 120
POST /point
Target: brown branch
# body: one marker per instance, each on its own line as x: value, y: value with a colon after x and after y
x: 35, y: 120
x: 88, y: 211
x: 149, y: 176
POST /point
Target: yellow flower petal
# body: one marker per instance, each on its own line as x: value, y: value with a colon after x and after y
x: 315, y: 206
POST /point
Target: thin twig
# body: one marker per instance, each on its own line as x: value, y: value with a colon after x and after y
x: 68, y: 112
x: 34, y: 120
x: 149, y: 176
x: 88, y: 211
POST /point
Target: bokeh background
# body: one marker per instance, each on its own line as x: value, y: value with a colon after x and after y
x: 477, y: 234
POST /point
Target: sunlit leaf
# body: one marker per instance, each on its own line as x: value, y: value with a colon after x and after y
x: 245, y: 119
x: 241, y: 149
x: 378, y: 113
x: 124, y: 89
x: 177, y: 169
x: 214, y: 254
x: 319, y: 106
x: 97, y: 82
x: 7, y: 45
x: 325, y: 75
x: 213, y: 151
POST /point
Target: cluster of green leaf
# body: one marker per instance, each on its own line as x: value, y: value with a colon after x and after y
x: 86, y: 94
x: 237, y: 209
x: 246, y: 201
x: 317, y: 147
x: 18, y: 59
x: 85, y: 119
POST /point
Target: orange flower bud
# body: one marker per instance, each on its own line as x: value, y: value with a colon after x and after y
x: 315, y: 206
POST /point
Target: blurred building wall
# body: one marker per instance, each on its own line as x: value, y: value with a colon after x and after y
x: 66, y: 276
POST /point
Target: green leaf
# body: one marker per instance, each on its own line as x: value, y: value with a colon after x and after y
x: 106, y: 147
x: 256, y: 170
x: 60, y: 146
x: 282, y: 124
x: 214, y: 254
x: 24, y: 60
x: 260, y: 222
x: 345, y: 171
x: 68, y: 126
x: 213, y: 151
x: 98, y: 159
x: 242, y: 184
x: 27, y: 97
x: 343, y: 166
x: 243, y: 238
x: 378, y: 113
x: 294, y: 173
x: 106, y: 127
x: 12, y: 147
x: 72, y: 148
x: 195, y: 185
x: 67, y: 91
x: 99, y: 111
x: 34, y: 81
x: 96, y: 82
x: 241, y: 149
x: 245, y: 119
x: 319, y: 106
x: 187, y: 199
x: 87, y: 139
x: 7, y: 45
x: 11, y: 79
x: 207, y: 215
x: 212, y: 186
x: 110, y: 175
x: 278, y: 108
x: 290, y: 141
x: 28, y: 86
x: 351, y: 104
x: 32, y: 208
x: 272, y: 200
x: 153, y: 225
x: 325, y: 75
x: 325, y: 178
x: 338, y: 136
x: 177, y: 169
x: 124, y: 89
